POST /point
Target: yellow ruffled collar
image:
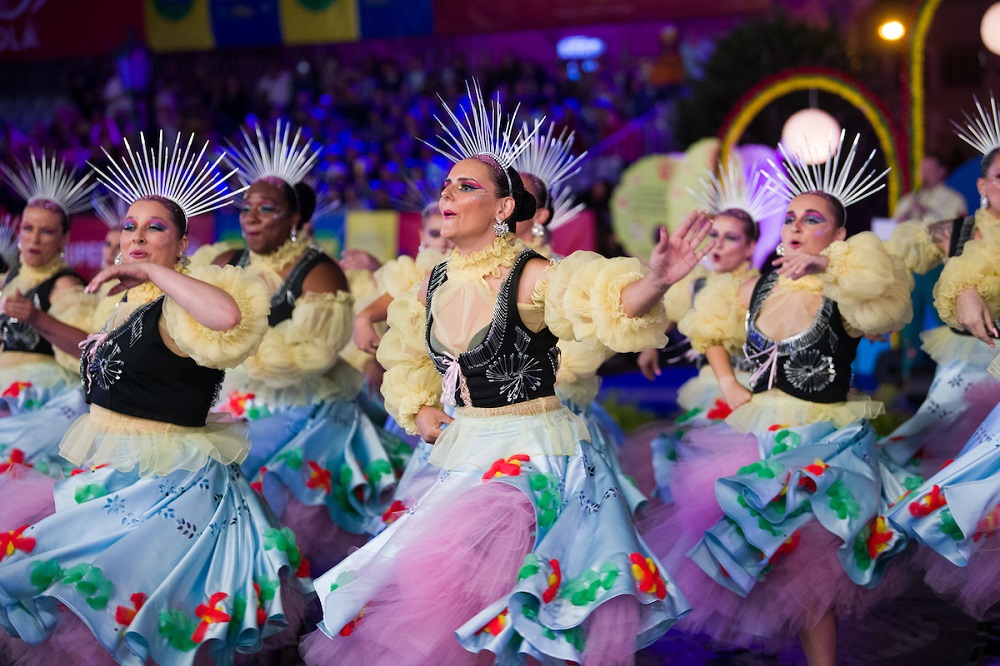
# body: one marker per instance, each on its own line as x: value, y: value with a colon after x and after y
x: 986, y: 219
x: 289, y: 253
x: 807, y: 283
x: 29, y: 277
x: 489, y: 262
x: 743, y: 271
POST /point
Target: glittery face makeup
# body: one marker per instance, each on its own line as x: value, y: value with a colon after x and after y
x: 149, y: 235
x: 265, y: 219
x: 809, y: 225
x: 469, y: 204
x: 732, y: 247
x: 41, y: 236
x: 989, y: 187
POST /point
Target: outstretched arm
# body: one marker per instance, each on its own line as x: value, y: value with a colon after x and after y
x: 674, y: 256
x: 210, y: 306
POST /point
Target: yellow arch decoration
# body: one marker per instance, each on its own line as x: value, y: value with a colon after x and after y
x: 917, y: 43
x: 827, y: 83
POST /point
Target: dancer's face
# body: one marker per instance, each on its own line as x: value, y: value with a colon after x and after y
x: 266, y: 217
x: 431, y: 236
x: 151, y: 235
x: 809, y: 225
x: 733, y: 247
x: 112, y: 243
x: 41, y: 237
x: 470, y: 204
x: 989, y: 186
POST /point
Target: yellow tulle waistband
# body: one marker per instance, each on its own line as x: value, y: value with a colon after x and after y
x: 945, y: 345
x: 777, y: 408
x: 528, y: 408
x: 104, y: 437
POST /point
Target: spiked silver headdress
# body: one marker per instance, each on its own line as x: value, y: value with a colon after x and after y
x: 285, y: 157
x: 8, y: 241
x: 481, y: 132
x: 729, y: 189
x: 177, y: 174
x: 548, y: 157
x: 832, y: 176
x: 562, y: 204
x: 49, y: 179
x: 982, y: 133
x: 111, y: 210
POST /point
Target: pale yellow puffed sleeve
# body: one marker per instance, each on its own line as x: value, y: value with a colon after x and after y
x: 911, y: 242
x: 410, y: 380
x: 677, y: 300
x: 870, y: 286
x: 75, y: 307
x: 976, y: 268
x: 717, y: 317
x: 362, y: 285
x: 398, y: 276
x: 581, y: 295
x: 208, y: 253
x: 307, y: 343
x: 221, y: 349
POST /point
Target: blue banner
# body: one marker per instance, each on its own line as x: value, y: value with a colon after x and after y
x: 395, y: 18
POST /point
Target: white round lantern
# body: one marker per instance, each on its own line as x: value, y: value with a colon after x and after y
x: 811, y: 135
x: 989, y: 29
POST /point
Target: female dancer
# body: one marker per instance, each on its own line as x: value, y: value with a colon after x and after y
x: 963, y: 392
x: 316, y: 457
x: 736, y: 209
x: 524, y: 545
x: 42, y: 298
x: 158, y: 546
x: 956, y: 511
x: 784, y: 542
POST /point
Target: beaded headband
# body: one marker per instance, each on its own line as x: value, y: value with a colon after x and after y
x: 177, y: 174
x: 832, y: 176
x: 49, y: 179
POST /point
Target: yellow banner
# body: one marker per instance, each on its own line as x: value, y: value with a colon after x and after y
x: 318, y: 21
x: 178, y: 25
x: 375, y: 231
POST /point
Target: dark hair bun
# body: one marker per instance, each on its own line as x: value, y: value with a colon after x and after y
x: 524, y: 203
x: 307, y: 201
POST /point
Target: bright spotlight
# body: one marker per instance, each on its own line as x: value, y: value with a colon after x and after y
x: 890, y: 31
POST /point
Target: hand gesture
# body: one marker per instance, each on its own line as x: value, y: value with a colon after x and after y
x: 128, y: 276
x: 359, y: 260
x: 736, y: 394
x: 676, y: 255
x: 18, y: 307
x: 649, y: 363
x: 971, y: 312
x: 430, y: 422
x: 801, y: 264
x: 364, y: 335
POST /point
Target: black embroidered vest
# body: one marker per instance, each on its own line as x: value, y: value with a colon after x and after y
x: 813, y: 365
x: 962, y: 229
x: 21, y: 336
x: 133, y: 372
x: 511, y: 364
x: 283, y: 301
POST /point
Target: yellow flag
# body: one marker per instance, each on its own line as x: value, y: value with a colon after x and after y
x: 376, y: 231
x: 318, y: 21
x: 178, y: 25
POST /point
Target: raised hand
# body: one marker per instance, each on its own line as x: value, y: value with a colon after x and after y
x: 676, y: 255
x: 800, y: 264
x: 128, y: 276
x: 18, y: 307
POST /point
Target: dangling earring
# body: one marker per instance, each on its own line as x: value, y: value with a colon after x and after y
x: 780, y: 250
x: 537, y: 229
x: 118, y: 259
x: 183, y: 260
x: 983, y: 203
x: 500, y: 228
x: 294, y: 235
